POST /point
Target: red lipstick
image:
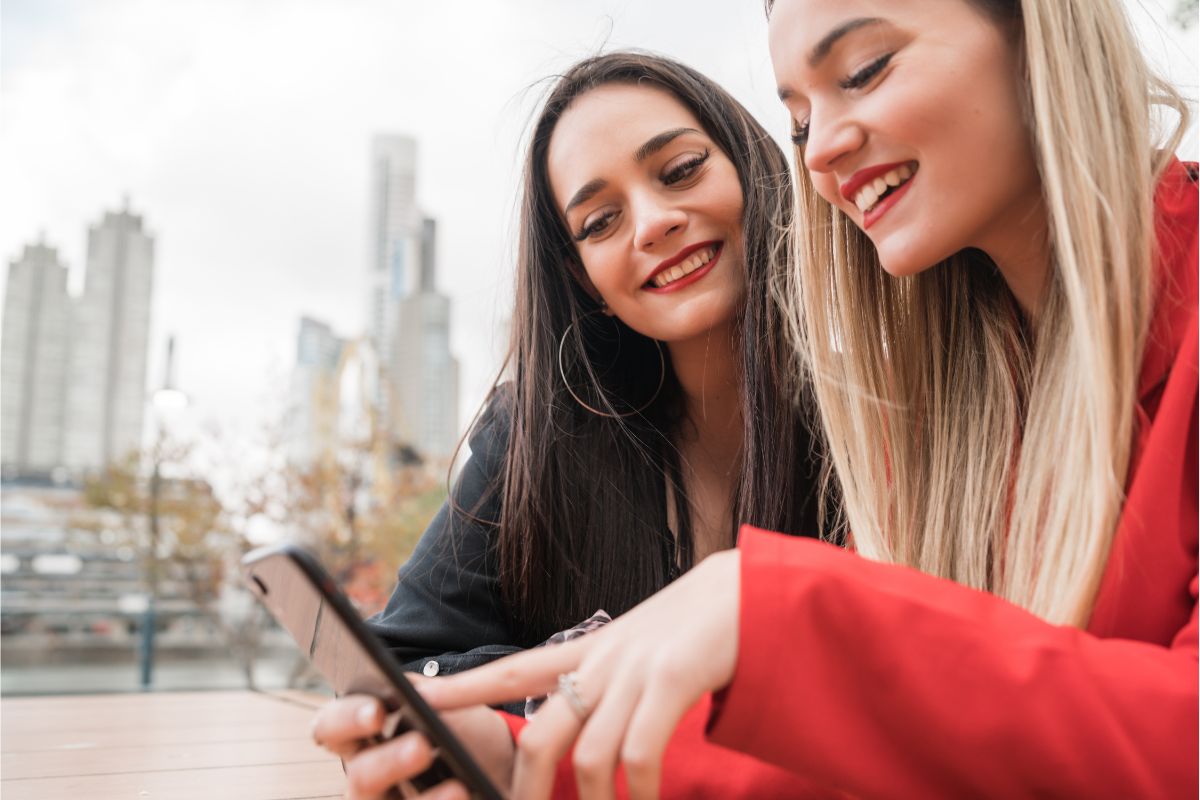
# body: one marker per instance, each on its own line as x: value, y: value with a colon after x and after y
x: 691, y: 277
x: 865, y: 176
x: 881, y: 208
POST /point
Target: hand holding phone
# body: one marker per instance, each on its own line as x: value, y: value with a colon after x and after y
x: 307, y: 603
x: 342, y: 725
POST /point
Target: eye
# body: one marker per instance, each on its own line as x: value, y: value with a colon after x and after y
x: 594, y: 226
x: 678, y: 171
x: 800, y: 133
x: 863, y: 76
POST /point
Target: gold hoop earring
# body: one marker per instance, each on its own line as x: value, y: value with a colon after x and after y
x: 662, y: 375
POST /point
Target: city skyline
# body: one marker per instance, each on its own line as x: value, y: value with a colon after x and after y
x: 75, y: 364
x: 253, y: 171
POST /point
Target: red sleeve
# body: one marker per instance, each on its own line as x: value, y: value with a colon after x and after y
x: 564, y: 779
x: 515, y: 724
x: 884, y: 681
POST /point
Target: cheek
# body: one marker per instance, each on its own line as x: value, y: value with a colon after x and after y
x: 727, y: 203
x: 600, y: 272
x: 827, y: 187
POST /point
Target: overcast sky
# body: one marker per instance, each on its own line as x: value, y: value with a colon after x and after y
x: 240, y: 130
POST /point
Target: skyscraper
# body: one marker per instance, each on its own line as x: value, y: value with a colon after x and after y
x: 33, y: 373
x: 423, y: 370
x: 395, y: 248
x: 107, y: 369
x: 315, y: 395
x: 417, y: 395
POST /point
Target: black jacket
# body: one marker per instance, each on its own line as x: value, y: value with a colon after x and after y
x: 446, y: 614
x: 447, y: 599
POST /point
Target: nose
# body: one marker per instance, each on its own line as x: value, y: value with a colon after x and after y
x: 830, y: 138
x: 655, y: 219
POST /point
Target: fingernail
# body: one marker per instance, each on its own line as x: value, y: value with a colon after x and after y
x: 407, y: 750
x: 366, y: 714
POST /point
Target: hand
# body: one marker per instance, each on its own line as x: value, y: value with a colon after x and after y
x: 635, y: 678
x: 346, y: 725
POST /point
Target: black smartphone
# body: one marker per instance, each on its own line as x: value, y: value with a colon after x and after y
x: 307, y: 603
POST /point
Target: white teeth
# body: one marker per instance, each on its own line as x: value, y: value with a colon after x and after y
x: 869, y: 194
x: 867, y: 197
x: 691, y: 264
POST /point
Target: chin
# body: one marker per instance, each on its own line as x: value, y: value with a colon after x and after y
x: 905, y: 259
x: 902, y: 267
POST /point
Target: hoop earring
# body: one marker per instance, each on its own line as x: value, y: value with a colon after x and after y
x: 662, y: 375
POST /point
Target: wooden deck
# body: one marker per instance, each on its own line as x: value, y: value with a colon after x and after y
x: 224, y: 745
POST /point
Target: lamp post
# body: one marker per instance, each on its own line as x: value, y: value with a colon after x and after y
x: 165, y: 398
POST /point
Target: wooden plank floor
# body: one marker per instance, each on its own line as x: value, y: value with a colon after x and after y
x: 179, y: 745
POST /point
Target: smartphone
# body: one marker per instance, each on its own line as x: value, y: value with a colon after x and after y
x: 306, y: 602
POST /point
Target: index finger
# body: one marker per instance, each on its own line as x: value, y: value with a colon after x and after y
x: 515, y: 677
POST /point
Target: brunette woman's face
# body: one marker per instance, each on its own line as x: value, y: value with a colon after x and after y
x: 908, y: 114
x: 654, y: 207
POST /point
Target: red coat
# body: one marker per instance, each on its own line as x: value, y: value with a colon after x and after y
x: 881, y: 681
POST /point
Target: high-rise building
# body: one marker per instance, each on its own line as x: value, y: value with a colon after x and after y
x: 33, y: 373
x: 417, y: 395
x: 424, y: 372
x: 395, y: 247
x: 315, y: 392
x: 107, y: 370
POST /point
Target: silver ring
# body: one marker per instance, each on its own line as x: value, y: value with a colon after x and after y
x: 568, y: 687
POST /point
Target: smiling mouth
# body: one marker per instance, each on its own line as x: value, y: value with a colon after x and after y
x: 874, y: 192
x: 689, y: 265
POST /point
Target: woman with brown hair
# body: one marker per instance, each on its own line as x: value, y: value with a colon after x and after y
x: 653, y: 402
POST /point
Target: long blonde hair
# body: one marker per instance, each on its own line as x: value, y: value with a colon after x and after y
x: 966, y: 444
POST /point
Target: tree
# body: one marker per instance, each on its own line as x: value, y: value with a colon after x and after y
x: 360, y: 510
x: 153, y: 502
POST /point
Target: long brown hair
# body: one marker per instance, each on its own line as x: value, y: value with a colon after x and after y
x: 583, y: 520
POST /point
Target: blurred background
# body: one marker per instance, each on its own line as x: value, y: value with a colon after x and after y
x: 259, y: 263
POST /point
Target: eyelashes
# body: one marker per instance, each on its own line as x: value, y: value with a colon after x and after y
x: 857, y: 80
x: 863, y: 76
x: 594, y: 227
x: 677, y: 174
x: 686, y: 169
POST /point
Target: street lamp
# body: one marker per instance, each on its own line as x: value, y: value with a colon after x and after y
x: 165, y: 399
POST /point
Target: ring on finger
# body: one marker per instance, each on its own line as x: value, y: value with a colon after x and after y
x: 568, y: 687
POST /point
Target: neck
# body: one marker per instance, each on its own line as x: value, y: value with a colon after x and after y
x: 1024, y: 259
x: 708, y: 371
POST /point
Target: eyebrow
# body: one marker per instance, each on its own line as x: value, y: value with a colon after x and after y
x: 659, y: 141
x: 586, y: 192
x: 648, y: 148
x: 822, y: 48
x: 826, y: 44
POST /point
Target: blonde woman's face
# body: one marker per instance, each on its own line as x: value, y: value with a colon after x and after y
x: 654, y: 207
x: 908, y: 117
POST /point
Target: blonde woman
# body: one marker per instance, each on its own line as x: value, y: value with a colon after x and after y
x: 996, y: 297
